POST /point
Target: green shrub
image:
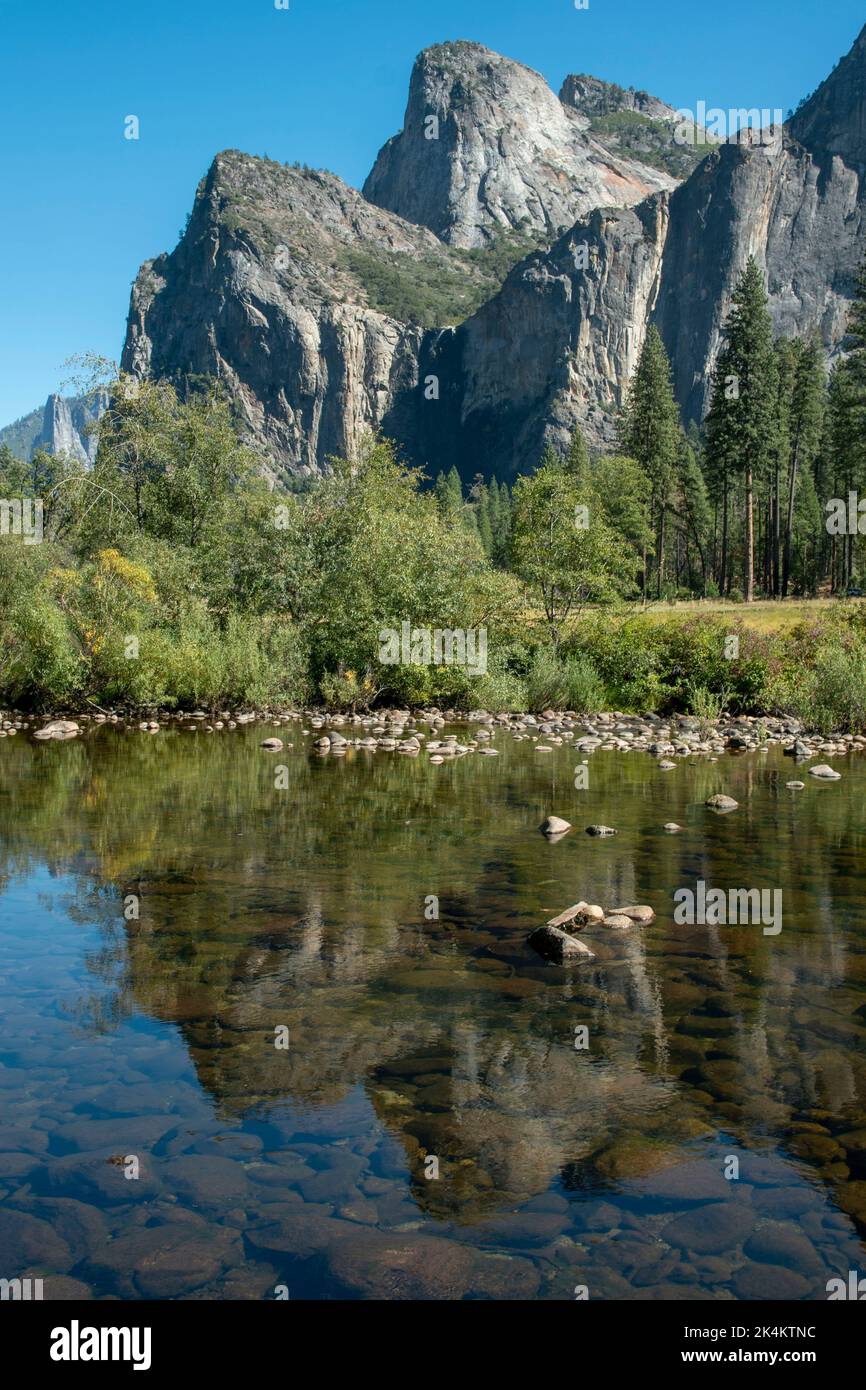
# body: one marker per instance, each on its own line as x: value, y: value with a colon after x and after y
x: 626, y: 656
x: 829, y: 695
x: 706, y: 705
x: 558, y: 682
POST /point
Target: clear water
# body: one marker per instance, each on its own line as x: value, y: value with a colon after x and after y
x: 148, y: 1045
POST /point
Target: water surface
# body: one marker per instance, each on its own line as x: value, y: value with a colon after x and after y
x: 306, y: 1171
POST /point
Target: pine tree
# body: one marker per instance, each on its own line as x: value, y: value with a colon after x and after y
x: 803, y: 428
x: 842, y: 465
x: 455, y: 487
x: 786, y: 365
x: 741, y: 422
x: 577, y: 458
x: 500, y: 510
x: 479, y: 494
x: 693, y: 506
x: 449, y: 491
x: 649, y: 434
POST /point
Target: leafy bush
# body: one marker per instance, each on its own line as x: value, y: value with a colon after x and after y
x: 563, y: 682
x: 706, y: 705
x: 829, y: 694
x: 626, y: 655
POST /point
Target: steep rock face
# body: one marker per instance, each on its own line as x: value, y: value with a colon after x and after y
x: 61, y: 426
x: 505, y: 153
x: 66, y: 426
x: 270, y: 290
x: 556, y: 347
x: 569, y: 354
x: 324, y: 314
x: 801, y: 215
x: 833, y: 121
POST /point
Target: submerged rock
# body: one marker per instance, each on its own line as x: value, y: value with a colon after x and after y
x: 720, y: 802
x: 272, y: 744
x: 709, y: 1230
x: 600, y: 830
x: 27, y: 1240
x: 559, y: 946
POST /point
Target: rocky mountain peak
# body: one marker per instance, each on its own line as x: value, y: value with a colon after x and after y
x: 833, y: 120
x: 509, y: 255
x: 308, y: 303
x: 64, y: 425
x: 486, y: 147
x: 592, y: 97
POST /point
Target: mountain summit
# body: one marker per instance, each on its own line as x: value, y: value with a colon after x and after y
x: 487, y: 146
x: 492, y: 286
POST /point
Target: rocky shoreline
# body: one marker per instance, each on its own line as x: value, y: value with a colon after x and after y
x: 409, y: 732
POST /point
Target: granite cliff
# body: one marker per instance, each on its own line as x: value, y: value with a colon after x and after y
x: 492, y: 286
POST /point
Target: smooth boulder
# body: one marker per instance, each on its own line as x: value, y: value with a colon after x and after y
x: 554, y: 825
x: 557, y: 945
x: 58, y: 728
x: 636, y: 913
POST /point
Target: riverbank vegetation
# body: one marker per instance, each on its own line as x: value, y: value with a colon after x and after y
x: 171, y: 574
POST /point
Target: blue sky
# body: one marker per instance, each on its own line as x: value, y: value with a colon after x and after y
x: 324, y: 82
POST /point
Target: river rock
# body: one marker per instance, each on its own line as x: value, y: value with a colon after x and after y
x: 60, y: 1288
x: 763, y: 1281
x: 272, y: 744
x: 58, y: 728
x: 301, y: 1231
x: 580, y: 914
x: 697, y: 1182
x: 778, y: 1244
x: 709, y: 1230
x: 825, y: 773
x: 554, y: 825
x: 27, y: 1241
x: 617, y: 922
x: 95, y: 1177
x: 640, y: 913
x: 200, y: 1180
x: 165, y: 1261
x: 558, y: 946
x: 600, y: 830
x: 720, y: 802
